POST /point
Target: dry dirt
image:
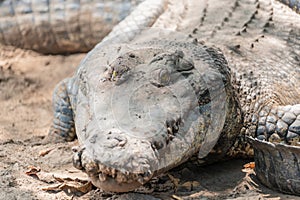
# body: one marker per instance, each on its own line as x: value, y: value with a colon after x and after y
x: 27, y: 80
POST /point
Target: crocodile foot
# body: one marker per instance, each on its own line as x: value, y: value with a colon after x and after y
x: 277, y: 149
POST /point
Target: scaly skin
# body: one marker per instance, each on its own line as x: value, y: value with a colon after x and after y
x: 174, y: 134
x: 260, y: 40
x: 71, y: 27
x: 51, y: 27
x: 259, y: 66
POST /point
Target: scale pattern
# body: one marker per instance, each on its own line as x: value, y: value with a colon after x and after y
x: 60, y: 26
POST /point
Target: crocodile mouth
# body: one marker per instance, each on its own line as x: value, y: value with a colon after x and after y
x: 110, y: 179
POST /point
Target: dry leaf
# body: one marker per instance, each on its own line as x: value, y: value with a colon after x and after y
x: 45, y: 152
x: 70, y: 187
x: 53, y: 188
x: 32, y: 170
x: 70, y: 183
x: 77, y: 187
x: 174, y: 180
x: 176, y: 197
x: 250, y: 165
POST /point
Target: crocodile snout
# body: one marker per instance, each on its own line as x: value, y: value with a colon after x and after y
x: 120, y: 169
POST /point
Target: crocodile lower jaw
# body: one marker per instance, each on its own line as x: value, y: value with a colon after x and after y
x: 110, y: 184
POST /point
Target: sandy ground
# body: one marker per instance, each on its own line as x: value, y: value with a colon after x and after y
x: 31, y: 169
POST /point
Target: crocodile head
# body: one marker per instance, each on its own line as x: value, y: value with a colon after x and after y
x: 142, y: 109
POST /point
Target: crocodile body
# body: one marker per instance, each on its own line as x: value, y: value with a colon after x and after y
x: 191, y: 101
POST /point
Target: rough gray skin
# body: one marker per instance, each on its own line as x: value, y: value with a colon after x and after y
x: 67, y: 27
x: 260, y: 40
x: 149, y: 110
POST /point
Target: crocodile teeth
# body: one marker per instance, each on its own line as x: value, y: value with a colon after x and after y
x: 101, y: 167
x: 124, y: 176
x: 170, y: 131
x: 104, y: 169
x: 113, y: 173
x: 102, y: 177
x: 176, y: 128
x: 77, y: 161
x: 121, y: 178
x: 91, y: 167
x: 141, y: 180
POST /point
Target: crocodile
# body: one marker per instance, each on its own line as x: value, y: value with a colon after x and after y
x: 211, y: 79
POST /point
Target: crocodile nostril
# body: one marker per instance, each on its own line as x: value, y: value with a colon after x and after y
x: 157, y: 145
x: 170, y: 131
x: 173, y: 126
x: 115, y: 140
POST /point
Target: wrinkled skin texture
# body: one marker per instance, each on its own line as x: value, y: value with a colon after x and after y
x: 150, y: 109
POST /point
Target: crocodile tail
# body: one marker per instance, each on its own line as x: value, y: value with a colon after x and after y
x: 51, y: 26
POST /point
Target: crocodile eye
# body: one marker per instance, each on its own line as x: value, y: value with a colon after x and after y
x: 160, y: 77
x: 164, y: 77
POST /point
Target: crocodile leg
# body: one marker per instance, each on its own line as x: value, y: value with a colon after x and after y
x: 280, y: 124
x: 277, y: 164
x: 64, y: 97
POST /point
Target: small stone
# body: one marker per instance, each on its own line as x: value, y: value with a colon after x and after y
x: 289, y: 117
